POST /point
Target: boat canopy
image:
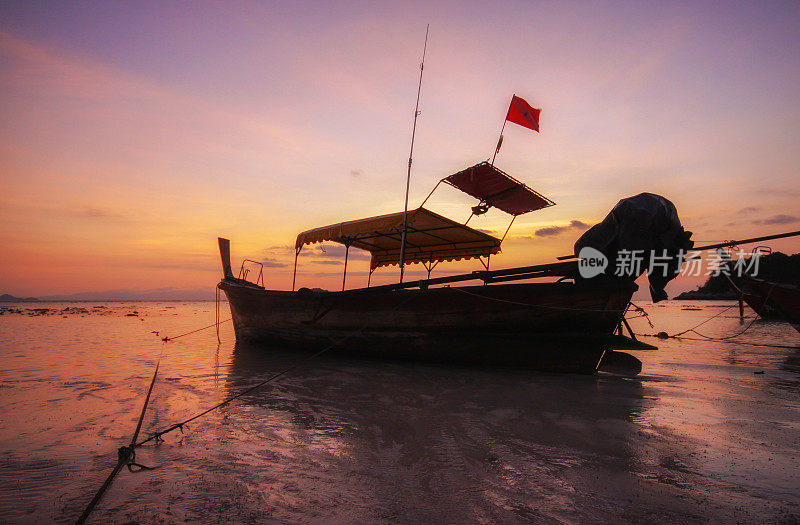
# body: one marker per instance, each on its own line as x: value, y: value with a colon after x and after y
x: 499, y: 189
x: 430, y: 239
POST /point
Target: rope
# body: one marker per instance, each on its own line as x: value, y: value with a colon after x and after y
x: 535, y: 305
x: 273, y: 377
x: 709, y: 339
x: 217, y: 314
x: 726, y: 337
x: 195, y: 331
x: 216, y: 323
x: 642, y: 313
x: 126, y: 455
x: 704, y: 322
x: 713, y: 340
x: 664, y: 335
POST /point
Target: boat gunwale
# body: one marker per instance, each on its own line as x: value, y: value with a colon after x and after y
x: 578, y: 285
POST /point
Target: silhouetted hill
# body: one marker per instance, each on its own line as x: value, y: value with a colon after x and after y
x: 10, y: 298
x: 158, y: 294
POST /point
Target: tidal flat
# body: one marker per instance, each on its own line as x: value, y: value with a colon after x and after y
x: 708, y: 432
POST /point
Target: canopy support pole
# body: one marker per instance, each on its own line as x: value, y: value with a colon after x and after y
x: 430, y: 266
x: 369, y: 277
x: 346, y: 254
x: 410, y: 156
x: 509, y: 227
x: 294, y: 273
x: 431, y: 193
x: 486, y: 265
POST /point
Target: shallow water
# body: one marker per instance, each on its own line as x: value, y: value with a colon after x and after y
x: 702, y: 434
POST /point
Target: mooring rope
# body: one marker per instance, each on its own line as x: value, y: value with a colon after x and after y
x: 217, y: 313
x: 708, y: 339
x: 664, y: 335
x: 271, y: 378
x: 704, y: 322
x: 722, y: 338
x: 549, y: 307
x: 642, y: 313
x: 127, y: 454
x: 747, y: 343
x: 165, y: 339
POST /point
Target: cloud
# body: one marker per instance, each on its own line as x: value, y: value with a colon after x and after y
x: 552, y: 231
x: 331, y: 251
x: 748, y: 209
x: 119, y: 99
x: 93, y: 213
x: 783, y: 192
x: 356, y: 172
x: 282, y: 249
x: 779, y: 219
x: 168, y: 266
x: 328, y: 254
x: 271, y: 262
x: 70, y: 211
x: 408, y: 273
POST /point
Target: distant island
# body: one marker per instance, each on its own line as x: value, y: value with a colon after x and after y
x: 8, y: 298
x: 158, y: 294
x: 777, y: 267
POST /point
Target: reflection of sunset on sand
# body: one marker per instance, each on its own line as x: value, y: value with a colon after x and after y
x: 698, y: 436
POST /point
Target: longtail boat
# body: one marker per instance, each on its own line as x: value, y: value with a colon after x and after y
x: 776, y: 299
x: 769, y: 299
x: 759, y: 305
x: 567, y: 324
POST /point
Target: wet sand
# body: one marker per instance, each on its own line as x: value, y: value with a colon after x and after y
x: 701, y: 435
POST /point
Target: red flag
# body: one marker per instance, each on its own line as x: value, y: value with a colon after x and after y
x: 520, y: 112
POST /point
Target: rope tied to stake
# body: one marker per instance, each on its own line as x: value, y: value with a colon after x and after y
x: 166, y: 339
x: 127, y: 455
x: 708, y: 339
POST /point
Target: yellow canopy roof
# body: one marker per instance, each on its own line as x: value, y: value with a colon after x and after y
x: 430, y: 238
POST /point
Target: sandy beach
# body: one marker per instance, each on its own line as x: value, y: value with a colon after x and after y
x: 709, y: 432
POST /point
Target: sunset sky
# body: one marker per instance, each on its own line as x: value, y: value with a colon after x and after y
x: 132, y: 134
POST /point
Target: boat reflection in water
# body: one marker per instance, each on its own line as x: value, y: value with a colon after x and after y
x: 349, y: 439
x: 385, y: 441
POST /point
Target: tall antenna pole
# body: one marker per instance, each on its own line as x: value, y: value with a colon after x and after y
x: 500, y: 140
x: 410, y: 155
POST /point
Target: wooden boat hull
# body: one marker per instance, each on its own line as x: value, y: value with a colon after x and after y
x: 781, y: 298
x: 563, y: 327
x: 764, y: 309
